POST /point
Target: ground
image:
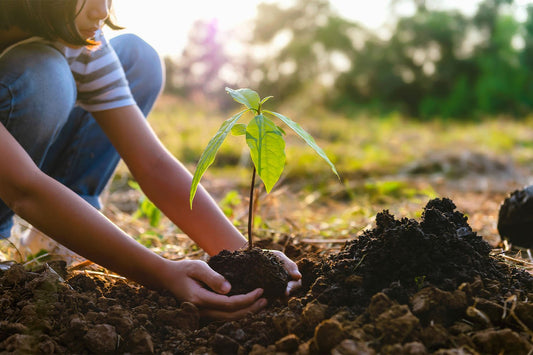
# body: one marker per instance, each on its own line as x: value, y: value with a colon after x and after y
x: 405, y: 286
x: 394, y: 261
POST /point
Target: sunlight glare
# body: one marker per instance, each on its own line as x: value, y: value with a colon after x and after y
x: 166, y: 23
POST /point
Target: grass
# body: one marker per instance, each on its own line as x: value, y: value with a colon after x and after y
x: 359, y: 146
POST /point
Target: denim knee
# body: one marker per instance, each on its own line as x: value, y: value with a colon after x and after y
x: 37, y: 93
x: 143, y: 67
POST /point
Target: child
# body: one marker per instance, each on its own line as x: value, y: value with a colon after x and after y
x: 69, y: 101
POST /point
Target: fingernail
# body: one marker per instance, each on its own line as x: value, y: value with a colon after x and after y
x: 260, y: 292
x: 262, y: 302
x: 226, y: 287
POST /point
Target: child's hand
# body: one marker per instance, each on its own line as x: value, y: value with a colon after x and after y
x: 186, y: 280
x: 292, y: 269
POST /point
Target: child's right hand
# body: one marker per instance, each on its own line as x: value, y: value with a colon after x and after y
x: 186, y: 280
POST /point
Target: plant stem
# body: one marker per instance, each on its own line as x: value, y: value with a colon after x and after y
x: 251, y: 211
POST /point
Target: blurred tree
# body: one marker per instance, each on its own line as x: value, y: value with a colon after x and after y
x: 501, y: 77
x: 526, y: 60
x: 202, y: 61
x: 205, y: 67
x: 303, y: 44
x: 527, y: 53
x: 434, y: 62
x: 442, y: 63
x: 415, y: 71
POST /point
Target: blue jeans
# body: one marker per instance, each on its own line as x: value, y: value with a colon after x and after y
x: 37, y: 106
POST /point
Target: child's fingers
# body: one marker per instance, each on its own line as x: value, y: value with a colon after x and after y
x: 202, y: 272
x: 292, y: 286
x: 214, y: 301
x: 289, y: 265
x: 234, y: 314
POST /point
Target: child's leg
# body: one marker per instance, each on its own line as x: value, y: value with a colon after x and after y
x: 37, y: 93
x: 83, y: 158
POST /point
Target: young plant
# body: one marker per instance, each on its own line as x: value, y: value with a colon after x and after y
x: 265, y: 140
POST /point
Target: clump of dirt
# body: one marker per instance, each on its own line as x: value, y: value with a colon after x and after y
x: 515, y: 218
x: 399, y: 257
x: 252, y: 268
x: 403, y: 287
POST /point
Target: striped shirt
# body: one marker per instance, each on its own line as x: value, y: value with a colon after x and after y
x: 99, y: 76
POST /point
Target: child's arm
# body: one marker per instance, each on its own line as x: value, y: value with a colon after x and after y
x: 166, y: 181
x: 64, y: 216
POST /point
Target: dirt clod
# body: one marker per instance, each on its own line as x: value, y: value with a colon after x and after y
x: 515, y: 218
x: 249, y: 269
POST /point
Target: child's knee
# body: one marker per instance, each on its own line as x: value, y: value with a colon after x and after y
x: 38, y: 80
x: 38, y: 83
x: 37, y: 94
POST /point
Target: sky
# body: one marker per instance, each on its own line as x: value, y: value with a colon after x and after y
x: 165, y: 24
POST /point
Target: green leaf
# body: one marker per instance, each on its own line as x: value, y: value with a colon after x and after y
x: 134, y: 185
x: 239, y: 129
x: 306, y: 137
x: 267, y: 149
x: 247, y: 97
x: 208, y: 156
x: 266, y: 99
x: 150, y: 211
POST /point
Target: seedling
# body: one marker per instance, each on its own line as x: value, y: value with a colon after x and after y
x: 265, y: 140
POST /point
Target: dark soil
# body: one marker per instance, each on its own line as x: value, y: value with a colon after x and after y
x: 404, y: 287
x: 250, y: 269
x: 515, y: 219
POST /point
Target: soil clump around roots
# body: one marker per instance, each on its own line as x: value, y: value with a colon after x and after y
x: 252, y: 268
x: 403, y: 287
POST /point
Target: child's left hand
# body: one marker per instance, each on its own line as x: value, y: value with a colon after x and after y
x: 292, y: 269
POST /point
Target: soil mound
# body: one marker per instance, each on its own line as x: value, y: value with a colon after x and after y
x: 400, y: 257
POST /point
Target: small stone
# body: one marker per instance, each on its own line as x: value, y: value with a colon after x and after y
x: 21, y: 344
x: 7, y: 329
x: 351, y: 347
x: 16, y: 274
x: 313, y: 313
x: 328, y: 334
x: 223, y: 344
x: 396, y: 324
x: 101, y: 339
x: 414, y: 348
x: 379, y: 303
x: 288, y: 344
x: 503, y: 341
x: 142, y: 342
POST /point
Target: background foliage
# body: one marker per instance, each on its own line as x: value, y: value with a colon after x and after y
x: 433, y: 63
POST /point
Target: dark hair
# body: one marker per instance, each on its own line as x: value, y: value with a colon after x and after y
x: 50, y: 19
